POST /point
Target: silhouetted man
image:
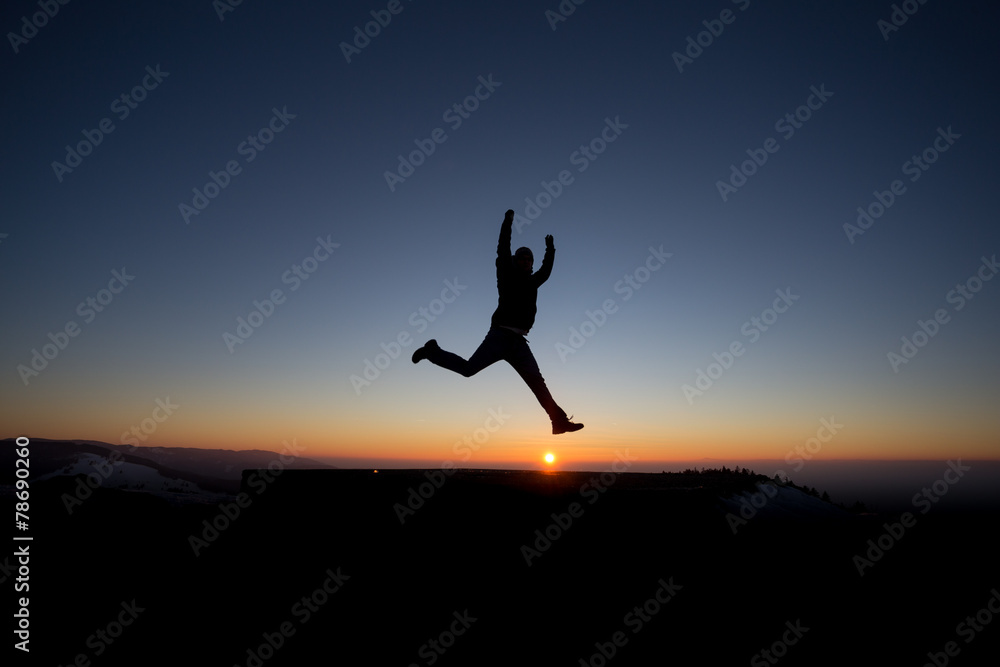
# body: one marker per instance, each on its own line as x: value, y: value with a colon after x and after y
x: 513, y: 318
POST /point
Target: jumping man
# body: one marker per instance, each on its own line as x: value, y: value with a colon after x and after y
x: 513, y: 318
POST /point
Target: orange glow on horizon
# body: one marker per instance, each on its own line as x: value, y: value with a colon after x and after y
x: 522, y: 442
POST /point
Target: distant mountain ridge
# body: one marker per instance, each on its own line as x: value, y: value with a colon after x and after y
x: 190, y: 472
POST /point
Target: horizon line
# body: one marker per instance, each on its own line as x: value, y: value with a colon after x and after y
x: 508, y: 463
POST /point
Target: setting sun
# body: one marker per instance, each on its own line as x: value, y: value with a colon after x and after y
x: 550, y: 457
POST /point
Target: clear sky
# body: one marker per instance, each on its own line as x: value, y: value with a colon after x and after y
x: 168, y: 167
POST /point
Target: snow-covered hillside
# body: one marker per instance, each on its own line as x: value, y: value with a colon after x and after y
x: 128, y: 476
x: 780, y: 502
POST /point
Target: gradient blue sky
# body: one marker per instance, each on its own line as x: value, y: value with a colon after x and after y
x: 323, y: 176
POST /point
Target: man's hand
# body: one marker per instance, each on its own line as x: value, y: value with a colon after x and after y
x: 509, y: 216
x: 548, y: 242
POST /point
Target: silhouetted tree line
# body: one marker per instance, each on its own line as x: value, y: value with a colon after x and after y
x: 724, y: 470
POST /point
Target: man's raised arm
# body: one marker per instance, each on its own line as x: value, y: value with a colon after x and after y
x: 542, y: 274
x: 503, y: 244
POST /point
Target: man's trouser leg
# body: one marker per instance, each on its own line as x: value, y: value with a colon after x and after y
x: 520, y: 357
x: 490, y: 351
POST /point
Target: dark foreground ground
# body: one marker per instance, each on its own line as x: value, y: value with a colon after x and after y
x: 317, y: 568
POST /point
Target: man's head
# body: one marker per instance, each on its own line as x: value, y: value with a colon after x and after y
x: 523, y: 260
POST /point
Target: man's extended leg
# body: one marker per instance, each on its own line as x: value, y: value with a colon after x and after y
x: 490, y: 351
x: 520, y: 357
